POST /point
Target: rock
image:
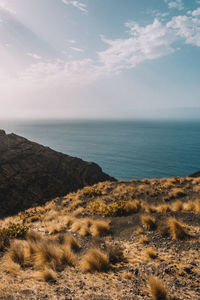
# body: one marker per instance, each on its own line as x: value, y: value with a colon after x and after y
x: 196, y: 174
x: 31, y: 174
x: 2, y: 132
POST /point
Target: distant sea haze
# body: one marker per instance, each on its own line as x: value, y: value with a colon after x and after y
x: 124, y: 149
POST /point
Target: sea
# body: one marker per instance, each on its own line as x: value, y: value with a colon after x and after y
x: 125, y: 149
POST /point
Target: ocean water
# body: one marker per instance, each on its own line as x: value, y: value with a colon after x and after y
x: 124, y: 149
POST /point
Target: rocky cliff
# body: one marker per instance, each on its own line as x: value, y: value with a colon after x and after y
x: 31, y: 174
x: 196, y: 174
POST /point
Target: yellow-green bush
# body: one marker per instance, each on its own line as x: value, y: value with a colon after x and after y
x: 119, y: 208
x: 13, y: 231
x: 91, y: 192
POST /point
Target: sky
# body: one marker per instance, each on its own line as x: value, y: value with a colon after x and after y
x: 99, y: 59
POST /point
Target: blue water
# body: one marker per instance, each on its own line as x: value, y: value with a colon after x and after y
x: 124, y: 149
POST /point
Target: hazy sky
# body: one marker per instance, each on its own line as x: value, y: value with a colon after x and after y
x: 99, y: 58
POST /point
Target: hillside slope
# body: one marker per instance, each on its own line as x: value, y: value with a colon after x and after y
x: 106, y: 242
x: 31, y: 174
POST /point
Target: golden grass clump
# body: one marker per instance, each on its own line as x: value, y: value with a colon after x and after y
x: 177, y: 206
x: 78, y: 211
x: 196, y: 188
x: 143, y: 240
x: 148, y: 222
x: 157, y: 289
x: 19, y: 252
x: 8, y: 265
x: 189, y: 206
x: 138, y: 230
x: 47, y: 254
x: 94, y: 260
x: 99, y: 228
x: 163, y: 208
x: 76, y: 226
x: 177, y: 230
x: 148, y: 208
x: 176, y: 192
x: 69, y: 241
x: 68, y: 221
x: 132, y: 206
x: 127, y: 275
x: 52, y: 254
x: 197, y: 205
x: 150, y: 253
x: 163, y: 228
x: 47, y: 275
x: 33, y: 236
x: 84, y: 230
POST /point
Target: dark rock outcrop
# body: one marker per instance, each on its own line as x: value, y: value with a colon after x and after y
x: 196, y: 174
x: 31, y: 174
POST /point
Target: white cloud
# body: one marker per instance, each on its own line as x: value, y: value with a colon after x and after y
x: 150, y: 42
x: 196, y: 12
x: 186, y: 27
x: 77, y: 49
x: 34, y: 55
x: 178, y: 4
x: 71, y: 41
x: 81, y: 6
x: 5, y: 6
x: 145, y: 43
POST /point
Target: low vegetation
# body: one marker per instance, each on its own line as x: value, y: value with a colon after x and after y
x: 106, y: 241
x: 157, y: 289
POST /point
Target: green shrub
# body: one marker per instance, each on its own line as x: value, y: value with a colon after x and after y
x: 119, y: 208
x: 91, y: 192
x: 13, y: 231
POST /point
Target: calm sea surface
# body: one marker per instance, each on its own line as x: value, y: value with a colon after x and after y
x: 124, y: 149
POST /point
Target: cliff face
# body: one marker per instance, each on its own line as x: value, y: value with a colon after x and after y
x: 31, y: 174
x: 197, y: 174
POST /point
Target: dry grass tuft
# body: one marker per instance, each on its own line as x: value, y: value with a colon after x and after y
x: 47, y: 275
x: 177, y: 192
x: 76, y: 226
x: 163, y: 208
x: 177, y: 206
x: 132, y: 206
x: 84, y: 230
x: 33, y: 236
x: 138, y: 230
x: 150, y: 253
x: 78, y: 211
x: 163, y: 228
x: 189, y: 206
x: 94, y: 260
x: 148, y: 222
x: 53, y: 254
x: 19, y: 252
x: 143, y: 240
x: 158, y: 291
x: 68, y: 241
x: 177, y: 230
x: 8, y: 265
x: 69, y: 221
x: 99, y: 228
x: 127, y: 275
x: 196, y: 188
x: 197, y: 206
